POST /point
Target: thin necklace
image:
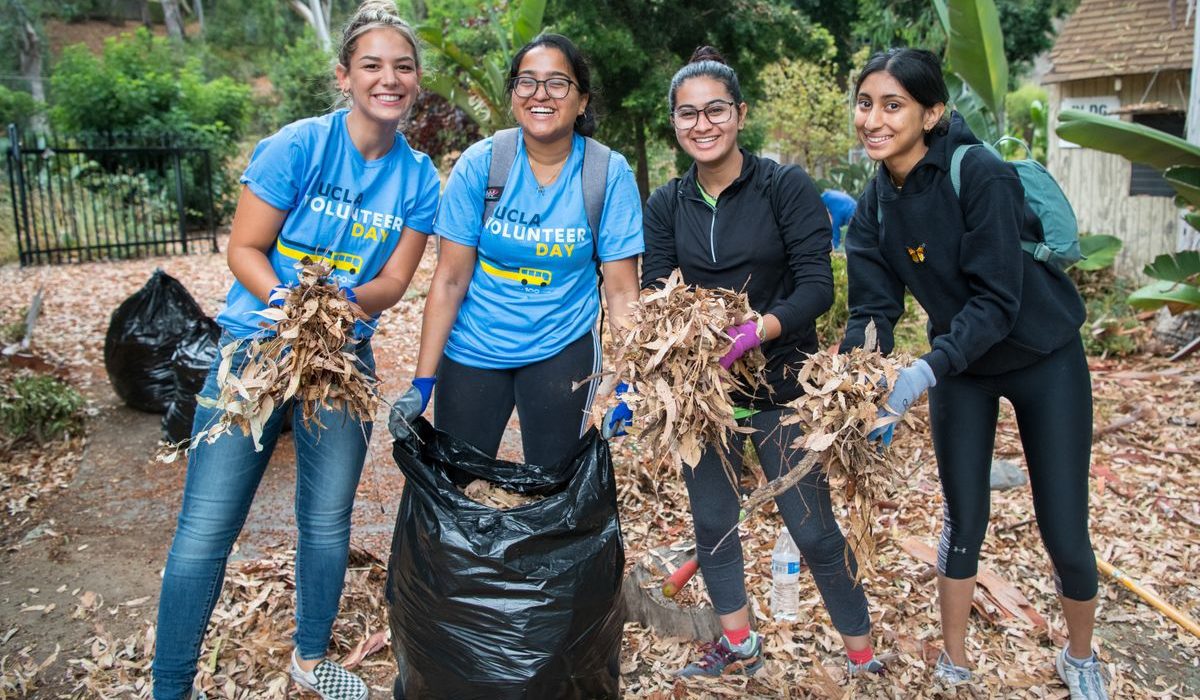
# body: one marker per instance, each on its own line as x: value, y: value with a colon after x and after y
x: 541, y: 187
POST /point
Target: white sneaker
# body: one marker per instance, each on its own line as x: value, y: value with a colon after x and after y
x: 1086, y: 681
x: 946, y: 674
x: 329, y: 680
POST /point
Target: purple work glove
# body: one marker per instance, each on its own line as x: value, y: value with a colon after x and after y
x: 745, y: 339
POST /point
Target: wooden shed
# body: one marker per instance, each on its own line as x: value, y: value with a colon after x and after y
x: 1131, y: 60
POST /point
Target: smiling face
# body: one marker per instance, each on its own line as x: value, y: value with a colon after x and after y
x: 705, y: 142
x: 542, y: 117
x: 891, y: 124
x: 382, y: 78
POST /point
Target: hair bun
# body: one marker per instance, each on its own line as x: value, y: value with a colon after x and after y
x: 707, y: 53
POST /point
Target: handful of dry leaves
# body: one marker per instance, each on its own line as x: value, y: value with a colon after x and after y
x: 308, y: 358
x: 680, y: 395
x: 493, y: 495
x: 840, y: 407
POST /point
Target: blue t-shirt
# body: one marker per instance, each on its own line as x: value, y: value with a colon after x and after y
x: 340, y: 207
x: 533, y: 290
x: 841, y: 208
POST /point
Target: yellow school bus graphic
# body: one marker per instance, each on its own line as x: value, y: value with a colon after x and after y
x: 338, y: 261
x: 524, y: 275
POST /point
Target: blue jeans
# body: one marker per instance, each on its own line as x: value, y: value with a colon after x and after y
x: 221, y: 480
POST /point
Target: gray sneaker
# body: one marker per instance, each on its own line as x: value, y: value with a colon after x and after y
x: 1086, y: 681
x: 873, y: 667
x: 946, y: 674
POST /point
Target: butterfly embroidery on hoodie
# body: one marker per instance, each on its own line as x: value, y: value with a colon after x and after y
x: 917, y: 254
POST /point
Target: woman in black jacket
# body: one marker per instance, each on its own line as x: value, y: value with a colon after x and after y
x: 1001, y: 324
x: 737, y: 221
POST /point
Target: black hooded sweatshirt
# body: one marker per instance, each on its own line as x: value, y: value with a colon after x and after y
x: 769, y: 234
x: 992, y: 307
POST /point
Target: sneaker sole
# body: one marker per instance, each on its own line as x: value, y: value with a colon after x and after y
x: 305, y: 685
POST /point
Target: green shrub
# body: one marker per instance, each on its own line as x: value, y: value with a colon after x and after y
x: 38, y: 408
x: 1026, y: 110
x: 16, y: 107
x: 1112, y: 328
x: 303, y: 80
x: 146, y: 88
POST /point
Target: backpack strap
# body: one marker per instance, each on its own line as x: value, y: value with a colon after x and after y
x: 956, y: 166
x: 504, y: 152
x: 595, y: 183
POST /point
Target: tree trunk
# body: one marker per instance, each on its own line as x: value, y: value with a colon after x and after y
x: 173, y: 19
x: 31, y: 70
x: 419, y: 11
x: 145, y: 8
x: 643, y: 166
x: 315, y: 15
x: 198, y: 9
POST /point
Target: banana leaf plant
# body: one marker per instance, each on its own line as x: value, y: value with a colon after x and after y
x: 1176, y: 283
x: 478, y: 85
x: 977, y: 70
x: 1099, y: 251
x: 1176, y: 276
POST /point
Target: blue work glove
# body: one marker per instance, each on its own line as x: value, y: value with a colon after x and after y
x: 409, y: 406
x: 911, y: 384
x: 278, y: 295
x: 617, y: 417
x: 348, y: 292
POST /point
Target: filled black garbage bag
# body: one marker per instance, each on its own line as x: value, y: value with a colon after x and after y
x: 498, y: 604
x: 142, y: 336
x: 190, y: 364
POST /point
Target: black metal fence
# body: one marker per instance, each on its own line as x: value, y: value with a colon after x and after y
x: 107, y: 196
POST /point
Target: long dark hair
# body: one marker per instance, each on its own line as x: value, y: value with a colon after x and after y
x: 585, y: 124
x: 709, y: 63
x: 918, y: 71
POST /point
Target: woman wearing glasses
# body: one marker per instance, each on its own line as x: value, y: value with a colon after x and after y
x: 510, y: 319
x: 738, y: 221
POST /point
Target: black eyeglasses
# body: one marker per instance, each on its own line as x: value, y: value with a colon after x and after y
x: 717, y: 112
x: 556, y: 88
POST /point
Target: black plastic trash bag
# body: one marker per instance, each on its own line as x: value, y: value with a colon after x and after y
x: 492, y: 604
x: 142, y: 336
x: 190, y: 364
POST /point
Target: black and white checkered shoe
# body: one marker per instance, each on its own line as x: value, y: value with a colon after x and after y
x: 329, y: 680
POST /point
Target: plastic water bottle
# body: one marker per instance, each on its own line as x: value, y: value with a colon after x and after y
x: 785, y: 577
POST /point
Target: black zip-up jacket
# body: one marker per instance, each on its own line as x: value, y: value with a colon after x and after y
x: 774, y: 244
x: 992, y: 307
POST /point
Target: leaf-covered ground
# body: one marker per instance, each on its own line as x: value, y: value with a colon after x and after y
x: 86, y: 526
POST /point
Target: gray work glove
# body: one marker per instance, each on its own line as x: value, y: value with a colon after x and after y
x: 409, y: 406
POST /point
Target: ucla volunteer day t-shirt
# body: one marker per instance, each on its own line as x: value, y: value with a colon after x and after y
x: 533, y: 291
x: 340, y: 208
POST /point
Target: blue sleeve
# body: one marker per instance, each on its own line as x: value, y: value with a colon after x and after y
x: 460, y: 216
x: 620, y: 234
x: 420, y: 217
x: 276, y: 170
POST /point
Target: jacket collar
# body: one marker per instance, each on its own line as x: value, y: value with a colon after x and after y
x: 688, y: 183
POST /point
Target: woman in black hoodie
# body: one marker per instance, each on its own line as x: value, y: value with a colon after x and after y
x: 1001, y: 324
x: 736, y: 221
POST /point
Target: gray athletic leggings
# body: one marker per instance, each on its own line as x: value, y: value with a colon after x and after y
x: 806, y: 510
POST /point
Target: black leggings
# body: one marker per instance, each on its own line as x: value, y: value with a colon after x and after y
x: 1053, y: 402
x: 806, y: 511
x: 475, y: 404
